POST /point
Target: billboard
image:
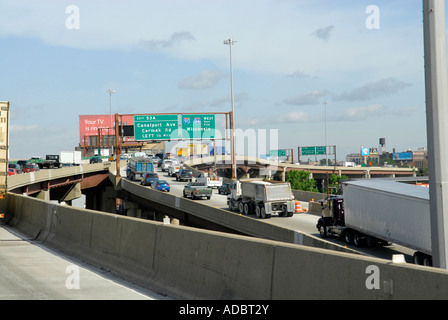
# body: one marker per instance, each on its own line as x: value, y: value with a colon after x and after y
x: 89, y: 124
x: 365, y: 151
x: 402, y: 156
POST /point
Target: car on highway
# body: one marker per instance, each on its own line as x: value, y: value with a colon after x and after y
x: 29, y: 168
x: 184, y: 174
x: 12, y: 172
x: 162, y: 185
x: 167, y: 163
x: 95, y: 160
x: 197, y: 190
x: 16, y: 167
x: 157, y: 161
x: 226, y: 188
x: 149, y: 179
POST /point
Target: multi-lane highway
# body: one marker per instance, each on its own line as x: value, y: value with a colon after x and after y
x: 301, y: 222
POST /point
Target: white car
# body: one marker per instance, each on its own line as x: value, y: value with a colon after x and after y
x: 166, y: 164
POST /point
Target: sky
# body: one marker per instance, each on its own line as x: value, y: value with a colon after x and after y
x: 58, y: 59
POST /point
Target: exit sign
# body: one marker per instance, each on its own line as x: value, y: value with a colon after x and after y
x: 155, y: 127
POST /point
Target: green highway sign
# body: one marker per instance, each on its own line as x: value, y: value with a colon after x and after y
x: 198, y: 126
x: 308, y: 151
x: 155, y: 127
x: 311, y: 151
x: 277, y: 153
x: 321, y: 150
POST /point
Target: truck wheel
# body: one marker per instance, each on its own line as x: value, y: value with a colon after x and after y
x: 357, y: 239
x: 284, y: 212
x: 263, y: 213
x: 258, y: 211
x: 348, y: 237
x: 422, y: 259
x: 241, y: 207
x: 247, y: 209
x: 322, y: 230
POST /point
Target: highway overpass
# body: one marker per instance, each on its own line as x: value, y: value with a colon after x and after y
x: 181, y: 261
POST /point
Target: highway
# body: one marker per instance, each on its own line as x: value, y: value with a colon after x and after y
x: 300, y: 222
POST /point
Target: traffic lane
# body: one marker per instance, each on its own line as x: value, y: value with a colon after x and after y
x: 301, y: 222
x: 32, y: 271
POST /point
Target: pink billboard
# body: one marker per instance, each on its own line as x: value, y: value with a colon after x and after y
x: 89, y: 124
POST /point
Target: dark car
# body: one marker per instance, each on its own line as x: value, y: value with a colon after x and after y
x: 184, y: 174
x: 149, y: 179
x: 226, y: 188
x: 96, y: 160
x: 22, y: 163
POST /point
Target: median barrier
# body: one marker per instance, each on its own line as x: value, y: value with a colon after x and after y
x: 199, y: 264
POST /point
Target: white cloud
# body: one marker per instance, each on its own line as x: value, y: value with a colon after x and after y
x: 383, y: 87
x: 206, y: 79
x: 309, y: 98
x: 294, y: 116
x: 363, y: 113
x: 175, y: 39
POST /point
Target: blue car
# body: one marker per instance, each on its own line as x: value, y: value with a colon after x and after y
x: 162, y: 185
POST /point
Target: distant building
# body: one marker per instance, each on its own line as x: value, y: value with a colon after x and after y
x: 410, y: 158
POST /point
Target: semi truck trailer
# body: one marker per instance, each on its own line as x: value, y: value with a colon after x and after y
x: 262, y: 198
x: 380, y: 211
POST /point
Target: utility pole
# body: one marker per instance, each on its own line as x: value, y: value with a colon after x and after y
x: 436, y: 84
x: 231, y: 42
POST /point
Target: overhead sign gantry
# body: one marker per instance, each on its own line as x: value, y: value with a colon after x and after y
x: 175, y: 126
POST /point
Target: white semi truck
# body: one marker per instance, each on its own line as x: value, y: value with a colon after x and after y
x: 380, y: 211
x: 262, y: 198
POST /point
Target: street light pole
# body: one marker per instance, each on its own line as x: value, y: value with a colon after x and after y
x: 326, y: 144
x: 231, y: 42
x: 436, y: 80
x: 110, y: 94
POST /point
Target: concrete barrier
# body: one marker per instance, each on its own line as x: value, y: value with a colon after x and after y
x: 245, y: 225
x: 192, y: 263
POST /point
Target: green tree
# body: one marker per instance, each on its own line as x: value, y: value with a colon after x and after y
x: 300, y: 180
x: 335, y: 183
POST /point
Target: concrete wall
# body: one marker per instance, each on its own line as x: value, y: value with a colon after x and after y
x: 193, y: 263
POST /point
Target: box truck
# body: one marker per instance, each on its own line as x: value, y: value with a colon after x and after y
x: 69, y: 158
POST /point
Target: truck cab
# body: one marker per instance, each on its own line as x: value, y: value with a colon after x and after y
x: 333, y: 217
